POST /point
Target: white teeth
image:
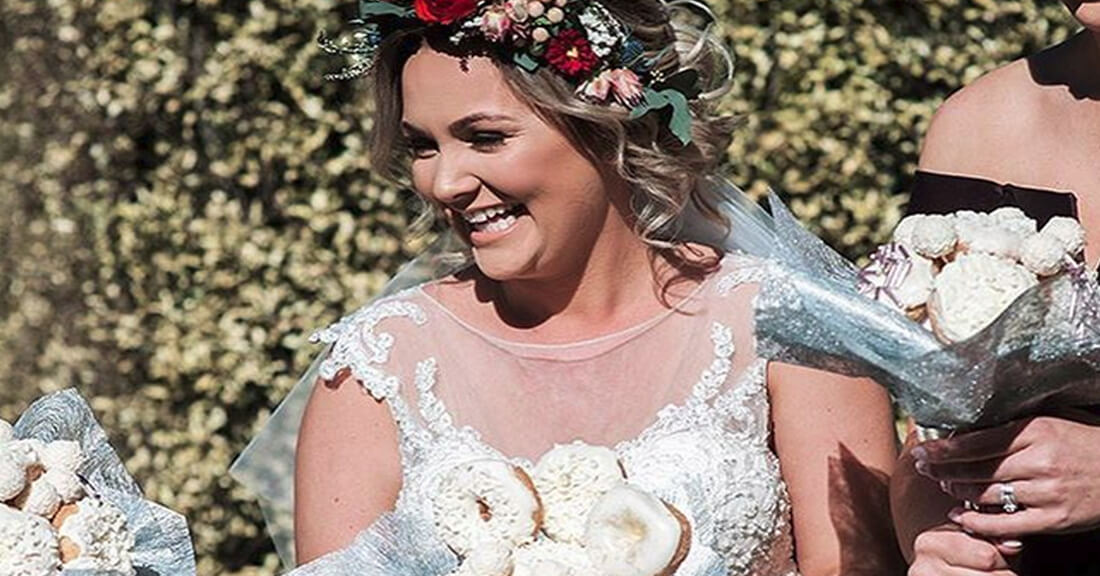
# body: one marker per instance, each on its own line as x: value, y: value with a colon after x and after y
x: 499, y: 225
x: 492, y: 219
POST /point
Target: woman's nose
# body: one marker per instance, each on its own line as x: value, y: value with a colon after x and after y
x: 455, y: 184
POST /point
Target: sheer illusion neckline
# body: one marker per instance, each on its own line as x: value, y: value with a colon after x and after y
x: 577, y: 350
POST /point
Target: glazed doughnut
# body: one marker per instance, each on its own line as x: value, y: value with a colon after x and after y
x: 633, y: 533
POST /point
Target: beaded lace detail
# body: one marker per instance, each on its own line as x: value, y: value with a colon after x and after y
x: 708, y: 455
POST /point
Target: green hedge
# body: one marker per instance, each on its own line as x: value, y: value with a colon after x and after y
x: 183, y: 198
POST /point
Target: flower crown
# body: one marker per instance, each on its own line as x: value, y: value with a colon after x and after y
x: 580, y: 40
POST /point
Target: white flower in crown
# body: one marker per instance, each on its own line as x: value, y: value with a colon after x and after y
x: 604, y: 30
x: 496, y: 23
x: 517, y: 10
x: 620, y: 85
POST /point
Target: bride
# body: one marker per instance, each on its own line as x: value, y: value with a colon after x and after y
x: 564, y: 142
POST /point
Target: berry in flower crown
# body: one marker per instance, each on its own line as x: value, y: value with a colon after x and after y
x: 580, y: 40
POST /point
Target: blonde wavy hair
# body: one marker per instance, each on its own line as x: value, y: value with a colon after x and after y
x: 662, y: 173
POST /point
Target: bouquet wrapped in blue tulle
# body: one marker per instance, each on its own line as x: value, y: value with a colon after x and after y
x: 68, y: 506
x: 970, y: 320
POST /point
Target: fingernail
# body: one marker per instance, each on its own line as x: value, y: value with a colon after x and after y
x: 919, y: 453
x: 955, y: 514
x: 945, y: 486
x: 1014, y: 544
x: 922, y: 468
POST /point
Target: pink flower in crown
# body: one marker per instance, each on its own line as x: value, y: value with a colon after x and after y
x: 621, y: 83
x: 628, y: 88
x: 496, y: 23
x: 598, y: 88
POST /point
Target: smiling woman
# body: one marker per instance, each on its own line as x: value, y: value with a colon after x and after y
x: 627, y: 149
x: 515, y: 188
x: 565, y: 144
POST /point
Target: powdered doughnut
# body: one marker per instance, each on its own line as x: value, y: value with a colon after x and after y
x: 549, y: 558
x: 28, y: 546
x: 972, y: 291
x: 570, y: 479
x: 486, y: 502
x: 93, y: 536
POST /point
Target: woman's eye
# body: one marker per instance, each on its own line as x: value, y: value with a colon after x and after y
x: 421, y: 148
x: 487, y: 140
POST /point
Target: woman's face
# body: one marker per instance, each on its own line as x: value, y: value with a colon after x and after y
x: 1087, y: 12
x: 527, y: 201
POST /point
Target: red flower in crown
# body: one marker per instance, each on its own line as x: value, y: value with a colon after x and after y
x: 570, y: 53
x: 444, y: 11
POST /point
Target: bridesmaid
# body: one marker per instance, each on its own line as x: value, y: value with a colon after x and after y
x: 1025, y: 135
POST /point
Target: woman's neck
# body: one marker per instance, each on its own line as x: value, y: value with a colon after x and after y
x: 614, y: 286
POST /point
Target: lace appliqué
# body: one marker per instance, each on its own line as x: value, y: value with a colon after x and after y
x: 357, y: 346
x: 746, y: 270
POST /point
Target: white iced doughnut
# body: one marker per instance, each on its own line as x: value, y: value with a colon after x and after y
x: 7, y: 434
x: 633, y: 533
x: 1043, y: 254
x: 493, y: 559
x: 903, y: 232
x: 917, y: 285
x: 62, y: 455
x: 996, y: 241
x: 1067, y: 231
x: 25, y: 451
x: 39, y: 498
x: 13, y: 476
x: 68, y: 485
x: 934, y: 236
x: 28, y: 546
x: 570, y: 479
x: 549, y: 558
x: 1015, y: 220
x: 484, y: 502
x: 969, y: 225
x: 92, y: 535
x: 972, y: 291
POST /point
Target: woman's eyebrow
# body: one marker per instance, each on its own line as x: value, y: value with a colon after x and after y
x: 463, y: 124
x: 411, y: 130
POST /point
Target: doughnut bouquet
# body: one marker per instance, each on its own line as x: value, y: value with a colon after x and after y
x: 67, y: 505
x: 969, y: 319
x: 574, y: 514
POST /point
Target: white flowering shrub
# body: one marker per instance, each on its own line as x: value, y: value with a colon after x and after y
x: 183, y: 197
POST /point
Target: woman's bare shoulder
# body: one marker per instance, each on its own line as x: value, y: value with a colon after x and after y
x: 988, y: 122
x: 348, y: 468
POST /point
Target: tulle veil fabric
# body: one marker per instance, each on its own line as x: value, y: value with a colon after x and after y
x: 267, y: 465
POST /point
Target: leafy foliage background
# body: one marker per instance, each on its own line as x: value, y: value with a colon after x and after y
x: 183, y: 198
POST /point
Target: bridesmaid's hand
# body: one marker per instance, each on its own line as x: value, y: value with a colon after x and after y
x: 1051, y: 465
x: 948, y: 551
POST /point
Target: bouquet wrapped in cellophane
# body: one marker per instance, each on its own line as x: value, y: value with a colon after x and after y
x: 68, y: 506
x: 970, y: 320
x: 574, y: 514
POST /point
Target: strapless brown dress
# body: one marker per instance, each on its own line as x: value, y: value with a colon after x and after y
x: 932, y: 193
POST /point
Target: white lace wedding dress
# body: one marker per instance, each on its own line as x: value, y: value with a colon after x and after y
x: 695, y: 431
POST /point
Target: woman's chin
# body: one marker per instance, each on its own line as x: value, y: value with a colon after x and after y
x: 502, y: 267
